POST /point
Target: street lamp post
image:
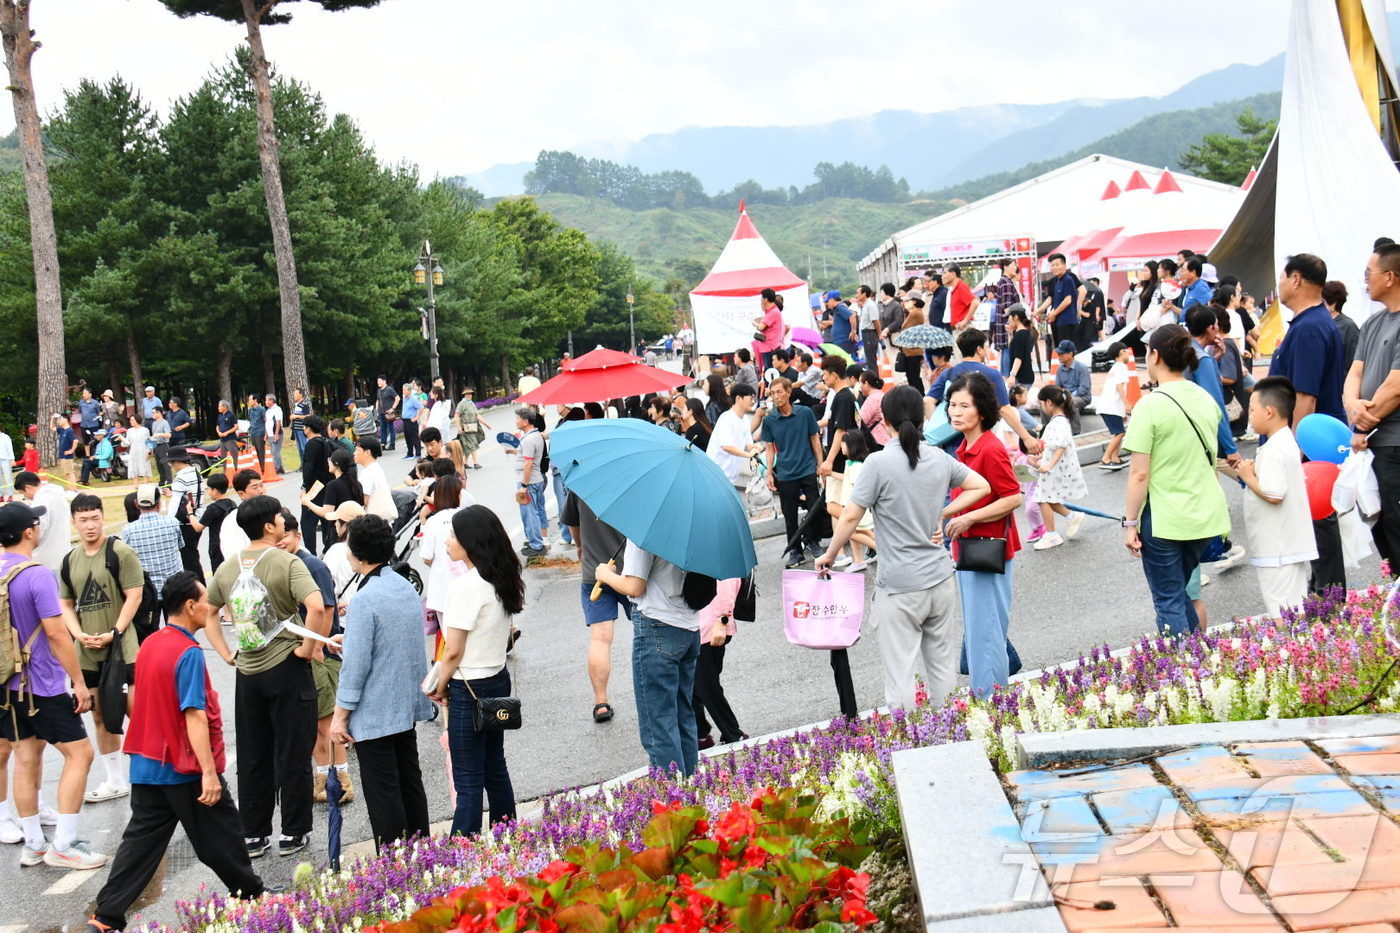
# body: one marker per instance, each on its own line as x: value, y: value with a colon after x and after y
x: 428, y: 272
x: 631, y: 321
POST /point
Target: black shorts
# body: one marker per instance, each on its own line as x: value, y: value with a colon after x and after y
x: 93, y: 678
x: 53, y: 721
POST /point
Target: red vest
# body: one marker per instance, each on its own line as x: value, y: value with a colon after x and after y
x: 157, y: 727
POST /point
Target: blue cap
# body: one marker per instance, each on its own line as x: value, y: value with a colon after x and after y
x: 1066, y: 346
x: 833, y: 295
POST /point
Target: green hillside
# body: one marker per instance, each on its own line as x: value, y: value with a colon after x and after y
x: 668, y: 243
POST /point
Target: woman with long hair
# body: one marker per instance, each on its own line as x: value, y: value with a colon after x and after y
x: 476, y: 636
x: 343, y: 487
x: 719, y: 400
x: 986, y: 595
x: 768, y: 328
x: 447, y: 497
x: 905, y: 486
x: 695, y: 427
x: 1174, y: 505
x: 872, y: 390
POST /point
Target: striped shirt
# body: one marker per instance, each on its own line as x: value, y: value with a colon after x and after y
x: 156, y: 540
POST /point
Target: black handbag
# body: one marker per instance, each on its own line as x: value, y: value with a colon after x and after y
x: 983, y: 555
x: 494, y: 714
x: 111, y: 688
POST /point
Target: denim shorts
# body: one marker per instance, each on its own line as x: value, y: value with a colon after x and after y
x: 606, y: 607
x: 1114, y: 423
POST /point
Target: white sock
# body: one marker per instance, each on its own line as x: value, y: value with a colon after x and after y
x: 67, y: 831
x: 33, y: 832
x: 323, y: 769
x: 113, y: 764
x: 7, y: 810
x: 343, y: 767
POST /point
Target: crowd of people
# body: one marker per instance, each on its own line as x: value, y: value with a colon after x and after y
x: 920, y: 477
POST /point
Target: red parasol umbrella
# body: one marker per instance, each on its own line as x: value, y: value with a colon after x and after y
x: 600, y: 375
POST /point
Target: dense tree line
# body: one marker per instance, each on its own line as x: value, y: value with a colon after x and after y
x: 169, y: 274
x: 558, y: 172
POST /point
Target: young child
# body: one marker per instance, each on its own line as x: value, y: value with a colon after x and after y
x: 1276, y: 515
x: 1024, y: 471
x: 30, y: 460
x: 839, y: 489
x: 1060, y: 476
x: 213, y: 515
x: 1113, y: 406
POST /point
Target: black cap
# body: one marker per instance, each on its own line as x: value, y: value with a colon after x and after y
x: 17, y: 516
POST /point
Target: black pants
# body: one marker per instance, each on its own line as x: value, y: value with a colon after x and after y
x: 789, y: 492
x: 1330, y: 568
x: 708, y: 695
x: 1386, y: 531
x: 275, y: 716
x: 162, y: 453
x: 913, y: 369
x: 871, y: 343
x: 214, y: 832
x: 392, y: 784
x: 410, y: 438
x: 328, y: 536
x: 845, y: 686
x: 259, y: 448
x: 189, y: 551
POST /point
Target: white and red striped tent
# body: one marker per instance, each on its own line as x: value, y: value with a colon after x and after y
x: 725, y: 303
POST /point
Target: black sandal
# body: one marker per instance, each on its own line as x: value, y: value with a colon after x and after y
x: 602, y: 712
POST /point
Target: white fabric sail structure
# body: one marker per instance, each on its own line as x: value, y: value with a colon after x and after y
x: 1328, y: 185
x: 725, y: 303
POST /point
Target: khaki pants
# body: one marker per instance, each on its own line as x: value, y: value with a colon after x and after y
x: 917, y: 634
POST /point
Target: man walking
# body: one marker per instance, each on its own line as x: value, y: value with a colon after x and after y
x: 386, y: 405
x: 794, y: 450
x: 529, y: 462
x: 275, y: 693
x: 1372, y: 393
x: 301, y: 410
x: 176, y: 744
x: 155, y: 538
x: 98, y: 608
x: 273, y: 426
x: 597, y: 543
x: 257, y: 430
x: 36, y: 707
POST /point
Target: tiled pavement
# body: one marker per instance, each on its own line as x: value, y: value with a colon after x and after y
x: 1257, y: 836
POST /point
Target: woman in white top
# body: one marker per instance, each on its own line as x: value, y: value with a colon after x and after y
x: 138, y: 452
x: 442, y: 570
x: 476, y: 635
x: 373, y: 480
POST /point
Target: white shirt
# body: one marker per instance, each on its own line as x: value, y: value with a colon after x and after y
x: 472, y: 606
x: 443, y: 570
x: 1112, y: 402
x: 231, y: 536
x: 273, y: 419
x: 55, y: 533
x: 1283, y: 533
x: 337, y: 559
x: 527, y: 384
x: 730, y: 431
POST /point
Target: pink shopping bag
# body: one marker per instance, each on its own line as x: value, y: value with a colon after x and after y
x: 822, y: 611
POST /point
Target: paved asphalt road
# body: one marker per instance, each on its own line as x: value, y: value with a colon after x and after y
x: 1065, y: 601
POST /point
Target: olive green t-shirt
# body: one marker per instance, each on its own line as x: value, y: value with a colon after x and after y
x: 98, y: 598
x: 288, y: 582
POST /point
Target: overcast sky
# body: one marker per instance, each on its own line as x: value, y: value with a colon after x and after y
x: 458, y: 86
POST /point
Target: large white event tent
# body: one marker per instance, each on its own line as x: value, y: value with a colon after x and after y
x: 1329, y: 185
x: 725, y: 303
x: 1070, y: 201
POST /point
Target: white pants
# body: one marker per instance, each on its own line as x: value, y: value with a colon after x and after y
x: 1283, y: 587
x: 918, y: 637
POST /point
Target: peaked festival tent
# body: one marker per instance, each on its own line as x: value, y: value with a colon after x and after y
x: 1328, y: 185
x: 725, y: 303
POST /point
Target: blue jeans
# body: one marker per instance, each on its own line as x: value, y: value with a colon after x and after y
x: 300, y: 439
x: 1168, y: 566
x: 663, y: 680
x: 386, y: 432
x: 986, y: 606
x: 478, y: 758
x: 561, y: 492
x: 533, y: 516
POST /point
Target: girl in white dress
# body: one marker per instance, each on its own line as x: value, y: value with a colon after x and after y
x: 1061, y: 479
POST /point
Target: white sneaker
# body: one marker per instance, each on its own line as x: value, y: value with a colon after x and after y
x: 106, y: 791
x: 1048, y: 540
x: 10, y: 833
x: 1073, y: 524
x: 28, y: 857
x: 1205, y: 580
x: 860, y: 567
x: 48, y: 816
x: 78, y: 857
x: 1231, y: 558
x: 843, y: 561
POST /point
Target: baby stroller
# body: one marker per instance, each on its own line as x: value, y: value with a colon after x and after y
x: 405, y: 545
x: 758, y: 498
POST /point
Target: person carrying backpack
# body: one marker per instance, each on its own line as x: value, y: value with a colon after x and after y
x: 101, y: 586
x: 275, y: 693
x: 36, y: 707
x: 363, y: 421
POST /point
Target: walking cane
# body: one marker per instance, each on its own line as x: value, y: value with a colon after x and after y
x: 612, y: 565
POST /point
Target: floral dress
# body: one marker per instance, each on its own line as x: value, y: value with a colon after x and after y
x: 1065, y: 480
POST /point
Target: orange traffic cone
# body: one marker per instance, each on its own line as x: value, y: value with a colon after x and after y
x: 886, y: 368
x: 1133, y: 390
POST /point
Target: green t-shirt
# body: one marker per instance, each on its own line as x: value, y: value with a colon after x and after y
x: 98, y: 601
x: 1186, y: 498
x: 288, y: 582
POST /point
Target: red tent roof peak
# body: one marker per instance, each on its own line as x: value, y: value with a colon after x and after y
x: 1111, y: 191
x: 1249, y: 179
x: 1136, y: 182
x: 744, y: 229
x: 1166, y: 183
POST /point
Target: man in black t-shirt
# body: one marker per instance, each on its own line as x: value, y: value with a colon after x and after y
x: 1091, y: 315
x: 597, y: 543
x: 840, y: 412
x: 212, y: 516
x: 386, y: 403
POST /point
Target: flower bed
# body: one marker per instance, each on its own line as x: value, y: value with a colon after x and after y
x: 1323, y: 661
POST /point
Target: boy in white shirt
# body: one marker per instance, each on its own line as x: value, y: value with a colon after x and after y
x: 1113, y: 405
x: 731, y: 441
x: 1276, y: 514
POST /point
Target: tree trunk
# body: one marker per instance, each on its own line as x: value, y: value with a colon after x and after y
x: 269, y: 374
x: 134, y: 359
x: 505, y: 374
x: 43, y: 242
x: 225, y: 380
x: 349, y: 385
x: 293, y: 343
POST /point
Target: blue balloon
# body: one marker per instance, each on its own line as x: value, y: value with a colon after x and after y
x: 1323, y: 437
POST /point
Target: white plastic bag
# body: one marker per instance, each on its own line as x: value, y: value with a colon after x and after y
x: 1356, y: 537
x: 1356, y: 487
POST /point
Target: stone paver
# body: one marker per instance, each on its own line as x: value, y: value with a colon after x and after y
x: 1204, y: 764
x: 1058, y: 816
x: 1115, y: 902
x: 1241, y: 812
x: 1359, y: 838
x: 1325, y: 911
x: 1277, y: 759
x: 1287, y: 786
x: 1273, y: 844
x: 1369, y: 745
x: 1169, y: 852
x: 1329, y: 876
x: 1043, y: 785
x: 1376, y: 763
x: 1216, y: 900
x: 1141, y: 809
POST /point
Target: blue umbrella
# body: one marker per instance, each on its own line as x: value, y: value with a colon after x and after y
x: 659, y: 490
x: 925, y: 336
x: 333, y: 817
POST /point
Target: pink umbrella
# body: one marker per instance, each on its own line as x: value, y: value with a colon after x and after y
x: 806, y: 336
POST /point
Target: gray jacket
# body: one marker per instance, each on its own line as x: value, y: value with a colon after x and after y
x: 384, y: 659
